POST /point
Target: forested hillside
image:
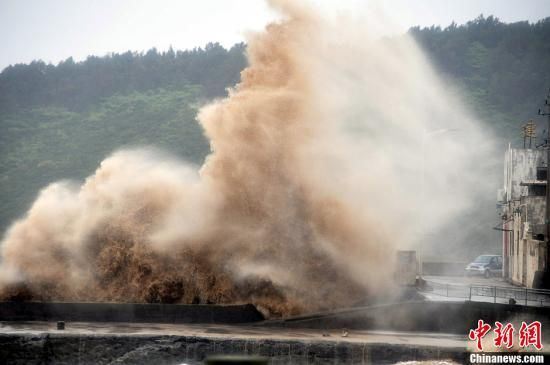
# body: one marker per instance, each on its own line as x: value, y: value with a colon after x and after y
x: 60, y: 121
x: 76, y: 86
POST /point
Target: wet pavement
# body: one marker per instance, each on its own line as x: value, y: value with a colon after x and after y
x: 467, y: 280
x: 174, y: 344
x: 240, y: 332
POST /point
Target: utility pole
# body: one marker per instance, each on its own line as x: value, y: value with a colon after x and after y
x: 546, y: 275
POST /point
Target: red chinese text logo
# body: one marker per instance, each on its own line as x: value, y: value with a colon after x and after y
x: 479, y: 333
x: 504, y: 335
x: 529, y: 334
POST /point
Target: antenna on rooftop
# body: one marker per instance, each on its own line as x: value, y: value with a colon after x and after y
x: 529, y: 130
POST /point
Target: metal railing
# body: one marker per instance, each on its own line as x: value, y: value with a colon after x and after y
x: 496, y: 294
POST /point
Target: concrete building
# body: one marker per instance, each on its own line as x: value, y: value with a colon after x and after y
x: 523, y: 202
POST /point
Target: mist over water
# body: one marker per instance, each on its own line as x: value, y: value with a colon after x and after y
x: 335, y: 149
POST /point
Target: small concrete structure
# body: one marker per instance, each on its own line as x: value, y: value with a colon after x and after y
x: 407, y: 268
x: 523, y: 206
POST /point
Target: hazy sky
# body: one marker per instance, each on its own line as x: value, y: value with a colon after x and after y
x: 53, y: 30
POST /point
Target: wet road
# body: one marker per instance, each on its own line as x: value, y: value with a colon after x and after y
x: 240, y: 332
x: 467, y: 280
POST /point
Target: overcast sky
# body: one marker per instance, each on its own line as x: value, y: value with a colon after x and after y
x: 53, y: 30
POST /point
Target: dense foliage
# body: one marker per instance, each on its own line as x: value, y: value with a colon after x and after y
x: 46, y: 143
x: 60, y: 121
x: 76, y: 86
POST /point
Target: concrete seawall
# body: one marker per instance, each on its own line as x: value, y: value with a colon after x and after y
x: 443, y: 317
x: 132, y: 313
x: 383, y: 334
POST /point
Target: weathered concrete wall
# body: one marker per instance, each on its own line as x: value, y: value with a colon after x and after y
x: 536, y: 209
x: 526, y: 255
x: 517, y: 253
x: 535, y: 257
x: 116, y: 349
x: 443, y: 268
x: 120, y: 312
x: 442, y: 317
x: 524, y: 215
x: 520, y: 165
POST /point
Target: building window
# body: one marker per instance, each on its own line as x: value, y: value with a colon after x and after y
x: 541, y: 173
x: 537, y: 190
